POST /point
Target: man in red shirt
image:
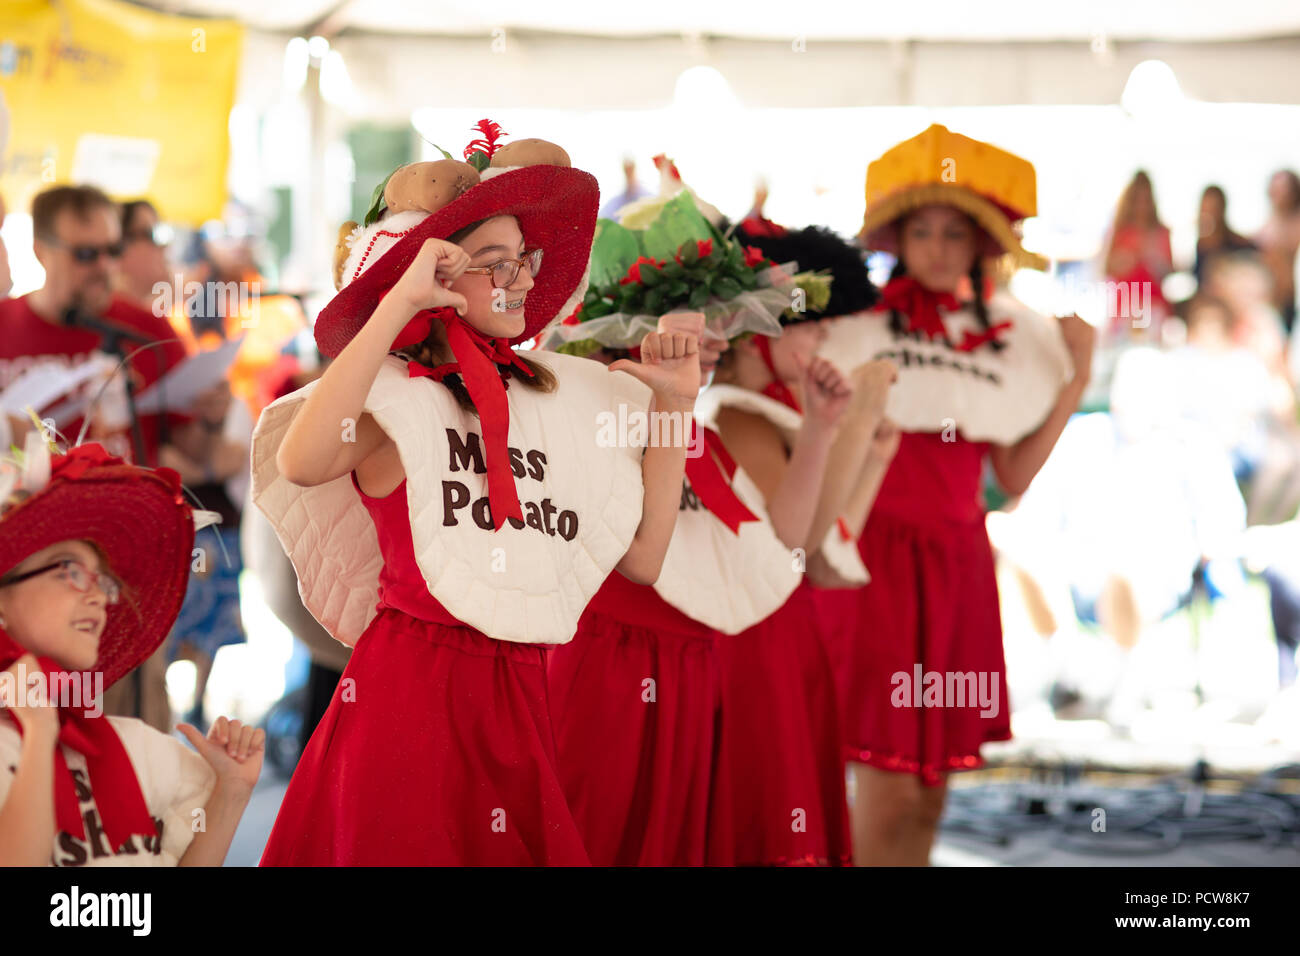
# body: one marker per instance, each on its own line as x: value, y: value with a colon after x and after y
x: 77, y: 239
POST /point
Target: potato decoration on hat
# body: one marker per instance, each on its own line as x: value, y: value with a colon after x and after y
x: 995, y: 188
x: 530, y: 179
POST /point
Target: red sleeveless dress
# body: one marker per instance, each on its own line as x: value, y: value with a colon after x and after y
x: 437, y: 746
x: 636, y: 704
x: 931, y: 609
x: 781, y: 753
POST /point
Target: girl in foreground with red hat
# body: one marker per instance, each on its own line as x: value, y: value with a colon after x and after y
x: 391, y: 481
x: 85, y: 597
x: 981, y: 379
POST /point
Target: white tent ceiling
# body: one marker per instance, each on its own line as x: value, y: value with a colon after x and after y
x: 966, y: 20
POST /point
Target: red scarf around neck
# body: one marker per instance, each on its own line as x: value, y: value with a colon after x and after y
x: 918, y: 305
x: 711, y: 482
x: 776, y: 388
x: 484, y: 364
x: 113, y: 782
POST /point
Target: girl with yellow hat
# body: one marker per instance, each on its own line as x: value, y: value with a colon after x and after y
x: 982, y: 380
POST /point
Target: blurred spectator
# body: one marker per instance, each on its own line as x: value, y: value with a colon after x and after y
x: 1137, y: 252
x: 1243, y: 283
x: 1279, y: 240
x: 77, y: 239
x: 1130, y: 504
x: 144, y: 254
x: 632, y: 191
x: 1222, y: 388
x: 1214, y: 235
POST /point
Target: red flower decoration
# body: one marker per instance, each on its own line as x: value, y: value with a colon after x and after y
x: 572, y: 318
x: 76, y: 462
x: 703, y: 249
x: 488, y: 144
x: 754, y: 256
x: 633, y: 276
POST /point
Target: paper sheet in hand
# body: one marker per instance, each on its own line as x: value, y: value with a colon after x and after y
x: 47, y: 381
x: 177, y: 390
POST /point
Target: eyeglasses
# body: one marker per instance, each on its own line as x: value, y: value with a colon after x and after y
x: 507, y: 270
x: 88, y: 254
x: 76, y: 574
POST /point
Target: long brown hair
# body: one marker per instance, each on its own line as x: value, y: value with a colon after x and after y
x: 1126, y: 208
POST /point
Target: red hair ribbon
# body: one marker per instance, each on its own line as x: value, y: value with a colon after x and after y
x: 113, y: 782
x: 484, y: 364
x: 919, y: 305
x: 776, y: 388
x: 708, y: 481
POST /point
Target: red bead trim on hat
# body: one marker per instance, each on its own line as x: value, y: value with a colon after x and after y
x: 370, y: 247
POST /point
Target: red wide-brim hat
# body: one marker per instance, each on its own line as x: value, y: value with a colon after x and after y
x: 140, y: 520
x: 556, y: 207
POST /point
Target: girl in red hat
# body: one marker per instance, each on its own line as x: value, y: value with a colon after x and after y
x: 450, y: 511
x: 84, y: 598
x: 982, y: 380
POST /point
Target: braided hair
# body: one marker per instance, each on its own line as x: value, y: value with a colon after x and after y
x: 979, y: 306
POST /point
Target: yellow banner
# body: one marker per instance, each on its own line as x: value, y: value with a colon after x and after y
x: 135, y: 102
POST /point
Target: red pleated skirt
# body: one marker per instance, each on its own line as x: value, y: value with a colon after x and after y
x: 918, y: 651
x: 436, y: 749
x: 636, y: 711
x: 781, y: 756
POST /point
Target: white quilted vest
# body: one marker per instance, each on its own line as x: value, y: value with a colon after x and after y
x: 582, y: 503
x: 841, y: 555
x: 987, y: 395
x: 727, y: 581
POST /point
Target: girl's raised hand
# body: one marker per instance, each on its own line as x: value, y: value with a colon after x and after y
x: 871, y: 384
x: 424, y: 284
x: 670, y: 361
x: 30, y: 705
x: 826, y: 392
x: 234, y: 750
x: 1080, y: 336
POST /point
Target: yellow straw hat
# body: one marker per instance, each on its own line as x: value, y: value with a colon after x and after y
x: 995, y: 188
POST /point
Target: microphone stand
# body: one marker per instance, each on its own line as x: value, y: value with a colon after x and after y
x: 113, y: 341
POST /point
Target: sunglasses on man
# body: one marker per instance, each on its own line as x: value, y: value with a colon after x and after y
x: 86, y: 254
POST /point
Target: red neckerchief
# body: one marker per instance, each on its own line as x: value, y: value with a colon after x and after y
x: 776, y: 388
x: 970, y: 341
x: 706, y: 478
x: 112, y: 778
x: 918, y: 305
x: 484, y: 364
